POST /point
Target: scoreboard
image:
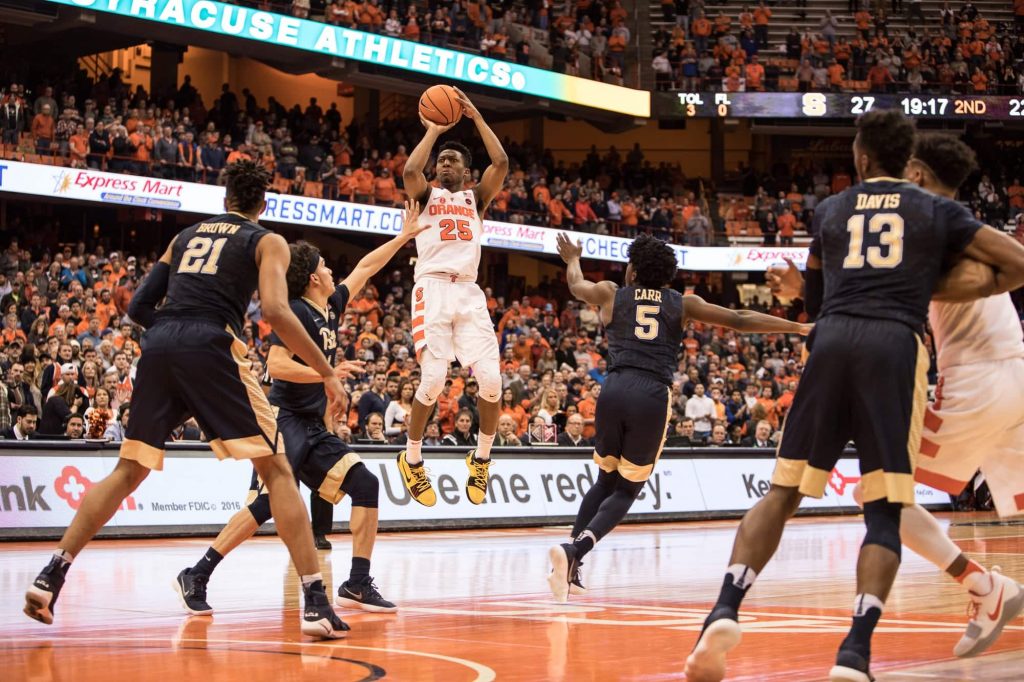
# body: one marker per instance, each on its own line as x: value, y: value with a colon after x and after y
x: 835, y: 105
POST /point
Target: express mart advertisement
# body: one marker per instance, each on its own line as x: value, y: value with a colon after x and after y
x: 43, y: 489
x: 80, y: 184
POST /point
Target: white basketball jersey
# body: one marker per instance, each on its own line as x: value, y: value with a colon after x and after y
x: 452, y: 244
x: 981, y: 331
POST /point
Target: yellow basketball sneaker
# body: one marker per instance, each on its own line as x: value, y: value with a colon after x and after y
x: 476, y: 484
x: 416, y: 481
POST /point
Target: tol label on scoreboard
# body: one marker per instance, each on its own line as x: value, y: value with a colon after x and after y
x: 694, y: 105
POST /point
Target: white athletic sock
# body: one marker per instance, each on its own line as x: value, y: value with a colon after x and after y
x: 923, y: 535
x: 863, y: 602
x: 65, y: 556
x: 742, y: 576
x: 308, y: 580
x: 483, y: 445
x: 413, y: 451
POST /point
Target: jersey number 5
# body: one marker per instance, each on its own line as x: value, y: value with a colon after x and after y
x: 647, y: 322
x: 201, y: 256
x: 889, y: 227
x: 450, y: 227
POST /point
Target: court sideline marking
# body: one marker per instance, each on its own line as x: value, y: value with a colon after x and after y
x: 484, y: 673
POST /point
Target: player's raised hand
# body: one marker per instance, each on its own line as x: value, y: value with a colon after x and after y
x: 469, y: 110
x: 347, y: 369
x: 785, y: 282
x: 436, y: 127
x: 411, y: 225
x: 566, y: 249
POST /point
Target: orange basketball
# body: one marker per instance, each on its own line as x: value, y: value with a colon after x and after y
x: 440, y: 104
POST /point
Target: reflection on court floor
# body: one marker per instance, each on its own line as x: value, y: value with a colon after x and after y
x: 474, y: 606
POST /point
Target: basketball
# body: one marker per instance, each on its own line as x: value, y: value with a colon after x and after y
x: 440, y: 104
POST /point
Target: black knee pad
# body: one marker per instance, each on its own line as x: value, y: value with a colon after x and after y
x: 362, y: 486
x: 260, y: 508
x: 882, y: 519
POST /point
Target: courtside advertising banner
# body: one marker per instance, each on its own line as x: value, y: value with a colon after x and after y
x: 43, y: 489
x: 438, y: 63
x: 174, y: 195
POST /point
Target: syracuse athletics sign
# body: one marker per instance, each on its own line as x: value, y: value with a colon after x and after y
x: 437, y: 62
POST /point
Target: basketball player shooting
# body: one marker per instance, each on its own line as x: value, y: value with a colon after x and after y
x: 449, y: 310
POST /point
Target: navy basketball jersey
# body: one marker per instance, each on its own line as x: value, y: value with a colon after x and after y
x: 645, y: 331
x: 213, y: 270
x: 322, y: 327
x: 882, y: 244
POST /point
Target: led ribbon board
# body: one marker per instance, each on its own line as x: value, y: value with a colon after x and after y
x: 96, y: 187
x: 437, y: 62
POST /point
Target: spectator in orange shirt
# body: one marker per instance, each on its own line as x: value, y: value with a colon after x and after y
x: 79, y: 146
x: 761, y: 16
x: 398, y: 162
x: 411, y: 31
x: 587, y: 407
x: 618, y: 13
x: 239, y: 154
x: 980, y: 81
x: 840, y: 181
x: 723, y: 23
x: 701, y: 30
x: 366, y: 304
x: 384, y: 189
x: 617, y: 49
x: 863, y: 20
x: 787, y: 227
x: 362, y: 182
x: 43, y: 128
x: 795, y: 198
x: 105, y: 309
x: 880, y: 78
x: 630, y: 219
x: 755, y: 74
x: 541, y: 194
x: 746, y: 19
x: 1015, y: 194
x: 835, y: 75
x: 558, y: 210
x: 346, y: 186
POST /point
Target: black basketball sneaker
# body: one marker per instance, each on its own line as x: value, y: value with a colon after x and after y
x: 363, y: 595
x: 318, y: 618
x: 42, y: 594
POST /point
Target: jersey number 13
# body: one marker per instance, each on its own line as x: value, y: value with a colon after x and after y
x: 889, y: 228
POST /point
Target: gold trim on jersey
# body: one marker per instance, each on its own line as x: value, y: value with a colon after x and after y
x: 244, y: 217
x: 323, y: 311
x: 148, y: 456
x: 242, y: 448
x: 920, y: 405
x: 797, y: 473
x: 607, y: 463
x: 885, y: 178
x: 330, y: 489
x: 257, y: 399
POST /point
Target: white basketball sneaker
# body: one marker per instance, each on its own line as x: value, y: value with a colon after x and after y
x: 989, y: 613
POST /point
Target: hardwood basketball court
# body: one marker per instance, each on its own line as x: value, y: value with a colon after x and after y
x: 473, y: 605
